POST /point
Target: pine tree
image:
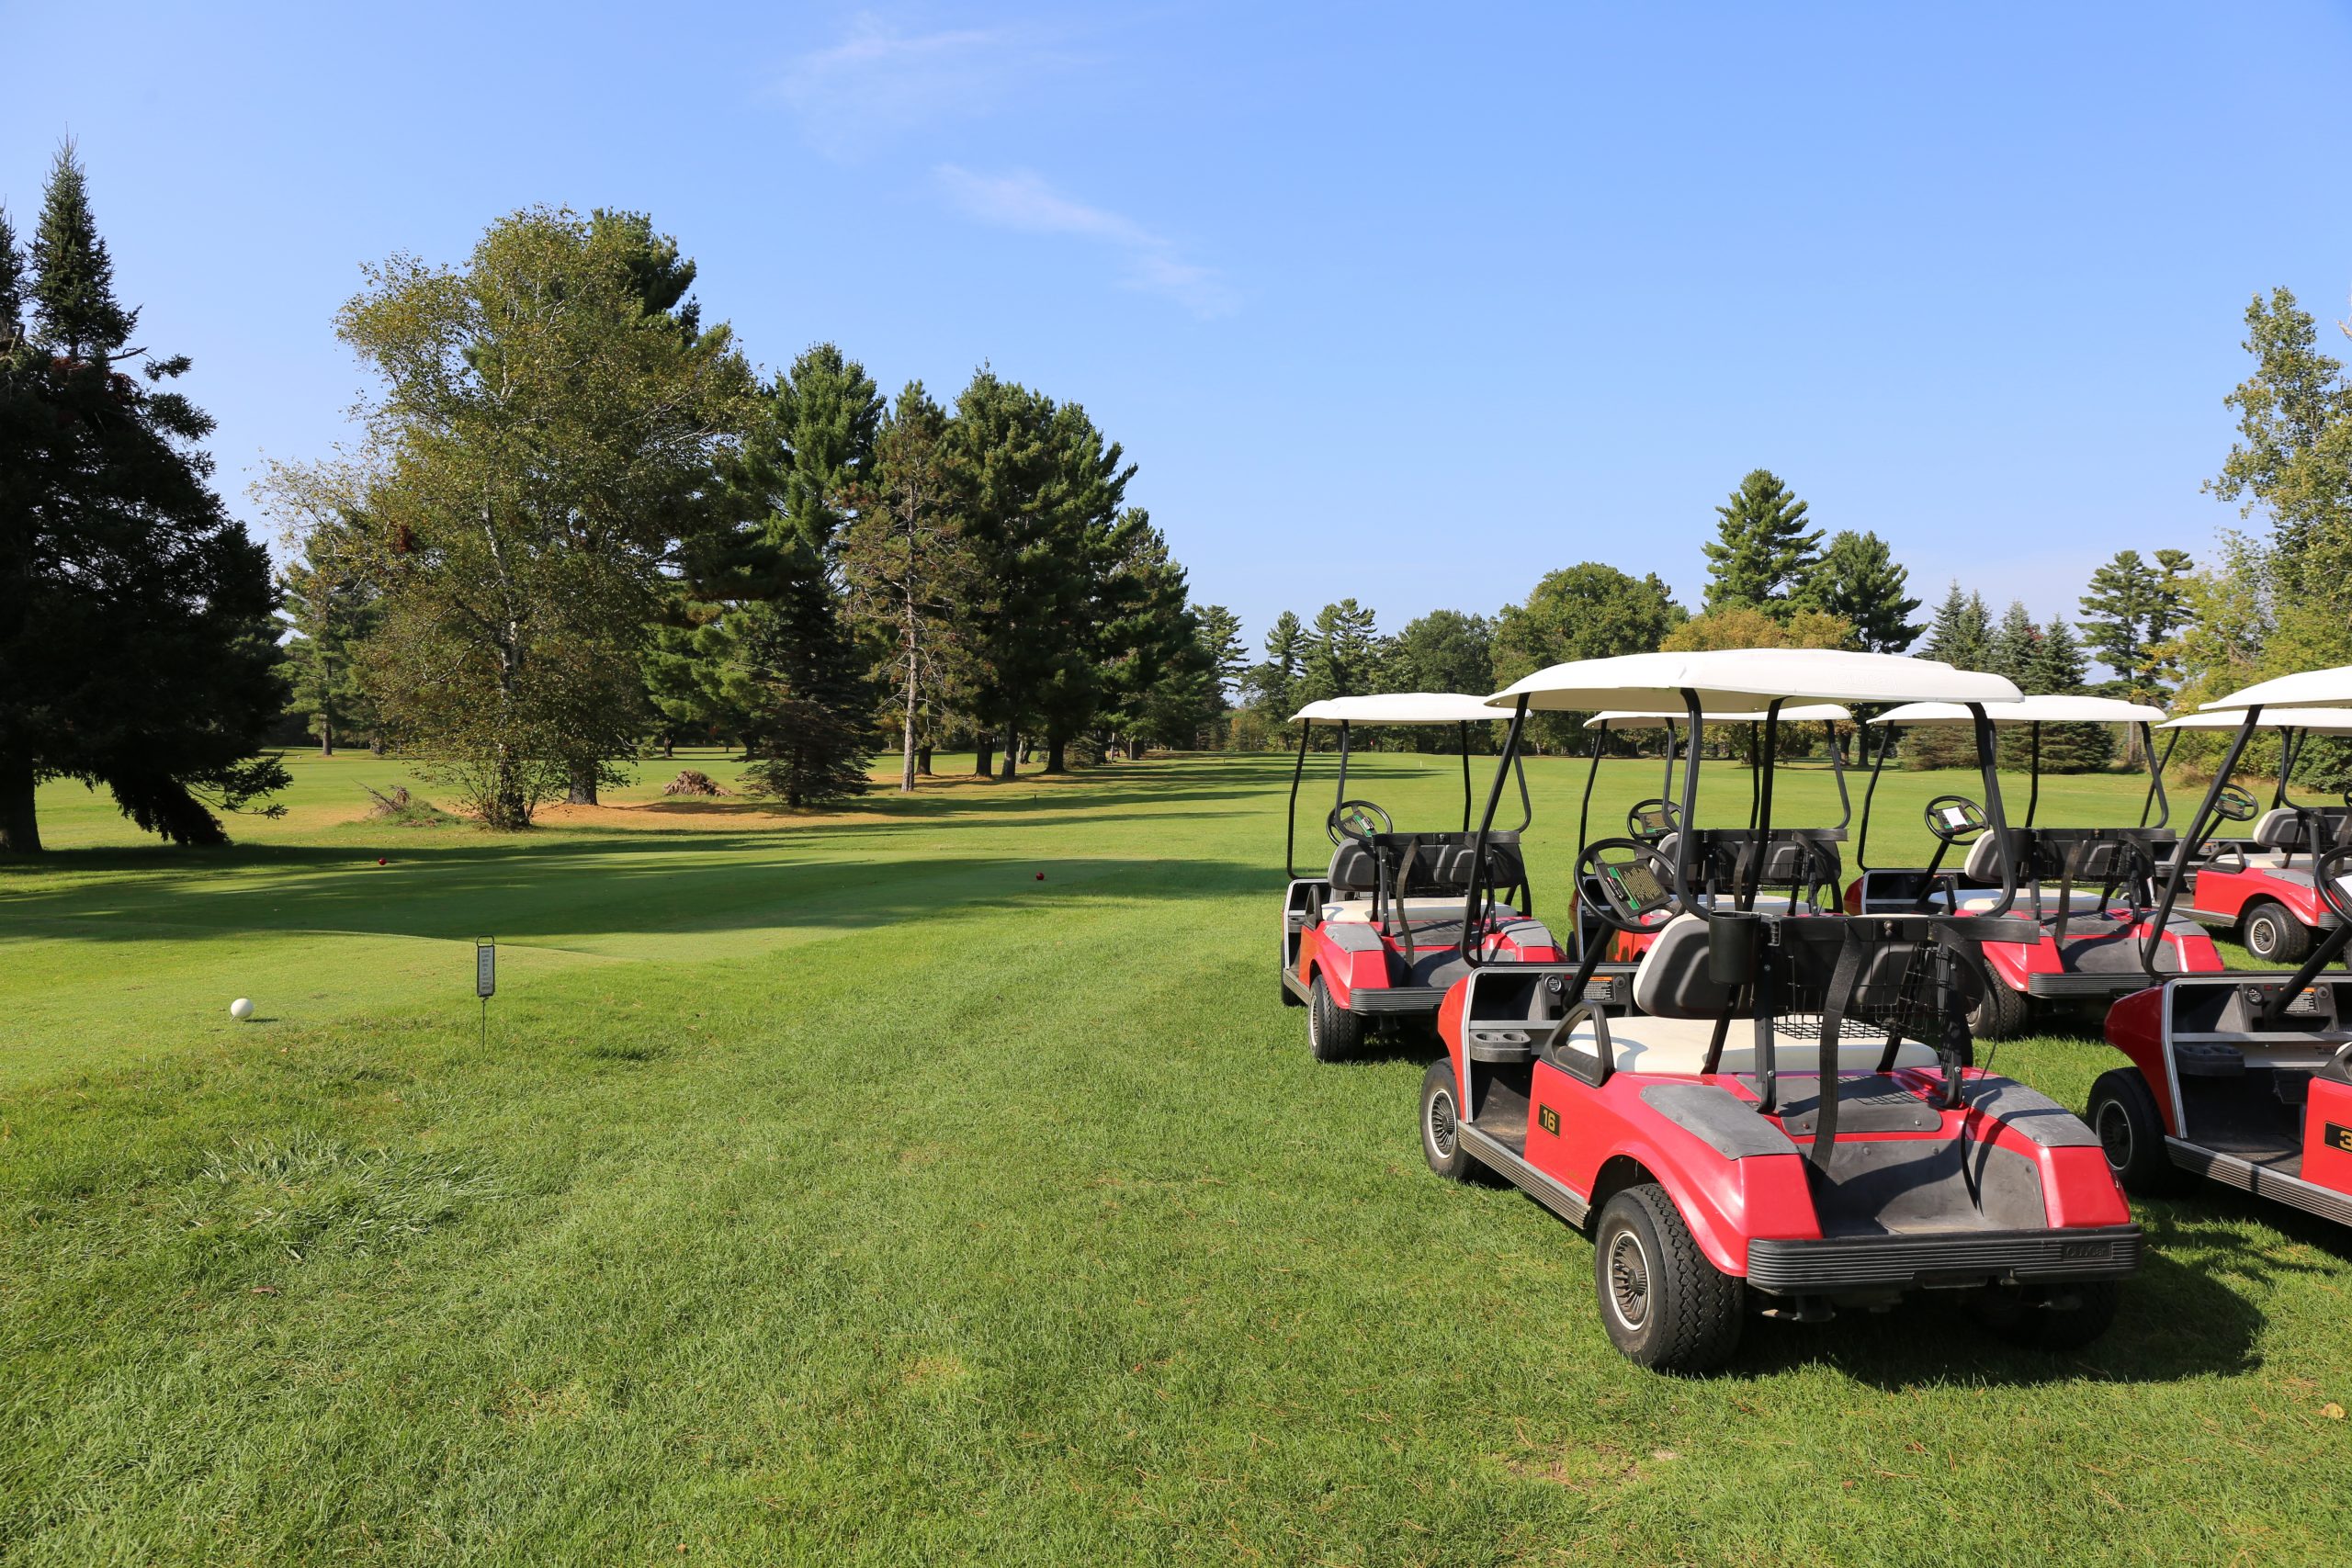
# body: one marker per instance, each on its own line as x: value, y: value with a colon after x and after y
x: 1275, y: 681
x: 1762, y: 550
x: 1040, y: 491
x: 1341, y: 652
x: 911, y: 573
x: 793, y: 668
x: 136, y: 617
x: 1857, y: 580
x: 2131, y: 611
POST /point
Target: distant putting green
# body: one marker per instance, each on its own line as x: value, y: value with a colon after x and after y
x: 832, y: 1189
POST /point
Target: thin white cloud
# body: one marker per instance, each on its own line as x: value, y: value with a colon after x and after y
x: 880, y: 82
x: 1024, y: 202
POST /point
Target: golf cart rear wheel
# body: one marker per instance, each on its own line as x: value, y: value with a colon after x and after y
x: 1442, y: 1126
x: 1663, y: 1304
x: 1333, y: 1033
x: 2273, y: 936
x: 2000, y: 1014
x: 2132, y: 1134
x: 2003, y: 1310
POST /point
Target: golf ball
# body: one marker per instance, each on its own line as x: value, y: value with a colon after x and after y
x: 241, y: 1009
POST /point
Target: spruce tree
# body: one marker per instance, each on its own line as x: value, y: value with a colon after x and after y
x: 1857, y: 580
x: 1960, y: 635
x: 136, y: 624
x: 2060, y: 669
x: 1762, y: 550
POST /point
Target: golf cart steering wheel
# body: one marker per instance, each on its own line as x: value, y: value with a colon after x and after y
x: 2234, y: 804
x: 1651, y: 820
x: 1636, y: 885
x: 1353, y: 821
x: 2329, y: 871
x: 1955, y: 818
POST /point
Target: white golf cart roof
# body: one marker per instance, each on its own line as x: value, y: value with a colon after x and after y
x: 1400, y: 707
x: 1812, y: 713
x: 2312, y: 689
x: 1747, y: 681
x: 2319, y: 721
x: 2051, y: 709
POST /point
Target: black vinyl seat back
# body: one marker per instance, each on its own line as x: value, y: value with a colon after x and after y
x: 1727, y: 862
x: 1425, y: 865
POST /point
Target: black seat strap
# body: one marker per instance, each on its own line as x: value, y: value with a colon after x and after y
x: 1832, y: 1017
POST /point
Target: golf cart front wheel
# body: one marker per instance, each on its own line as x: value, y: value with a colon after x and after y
x: 2080, y: 1316
x: 1333, y: 1033
x: 2132, y: 1134
x: 2273, y: 936
x: 1442, y: 1126
x: 1999, y: 1013
x: 1664, y: 1305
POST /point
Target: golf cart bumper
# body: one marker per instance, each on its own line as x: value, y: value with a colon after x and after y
x: 1381, y: 999
x: 2092, y: 988
x: 1975, y: 1258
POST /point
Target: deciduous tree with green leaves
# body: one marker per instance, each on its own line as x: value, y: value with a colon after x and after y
x: 542, y: 445
x: 1587, y: 611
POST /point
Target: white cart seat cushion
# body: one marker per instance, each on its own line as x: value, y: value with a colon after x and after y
x: 1677, y: 1047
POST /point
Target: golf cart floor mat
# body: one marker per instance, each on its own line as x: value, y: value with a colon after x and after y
x: 1915, y: 1186
x: 1503, y: 1115
x: 1868, y: 1104
x: 2256, y: 1116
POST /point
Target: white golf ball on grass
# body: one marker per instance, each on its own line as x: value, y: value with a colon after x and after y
x: 241, y: 1009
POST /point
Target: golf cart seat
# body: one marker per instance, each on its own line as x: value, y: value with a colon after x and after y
x: 1682, y: 1001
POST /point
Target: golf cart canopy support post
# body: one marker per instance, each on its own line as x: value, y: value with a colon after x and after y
x: 1455, y: 708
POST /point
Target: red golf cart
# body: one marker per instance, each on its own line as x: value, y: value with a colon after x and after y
x: 1789, y: 870
x: 2090, y: 892
x: 2261, y: 890
x: 1788, y: 1126
x: 1379, y: 936
x: 2244, y: 1079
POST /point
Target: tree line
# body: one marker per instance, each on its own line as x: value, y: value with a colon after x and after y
x: 1772, y: 582
x: 580, y: 523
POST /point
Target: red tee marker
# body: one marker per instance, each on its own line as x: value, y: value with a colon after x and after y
x: 381, y: 861
x: 1041, y: 877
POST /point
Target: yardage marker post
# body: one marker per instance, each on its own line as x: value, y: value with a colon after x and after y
x: 485, y: 979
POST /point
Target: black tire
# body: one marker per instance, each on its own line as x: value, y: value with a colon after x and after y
x: 2130, y: 1129
x: 2273, y: 936
x: 1441, y: 1116
x: 2000, y: 1014
x: 1333, y: 1033
x: 2000, y: 1309
x: 1662, y: 1304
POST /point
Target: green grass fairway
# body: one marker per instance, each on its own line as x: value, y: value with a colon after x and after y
x: 832, y: 1189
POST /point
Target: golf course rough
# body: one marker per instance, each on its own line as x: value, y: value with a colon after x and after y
x: 829, y: 1191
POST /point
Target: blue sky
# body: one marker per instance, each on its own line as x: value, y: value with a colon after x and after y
x: 1407, y: 303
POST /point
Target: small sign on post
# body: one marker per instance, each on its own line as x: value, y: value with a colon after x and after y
x: 485, y: 979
